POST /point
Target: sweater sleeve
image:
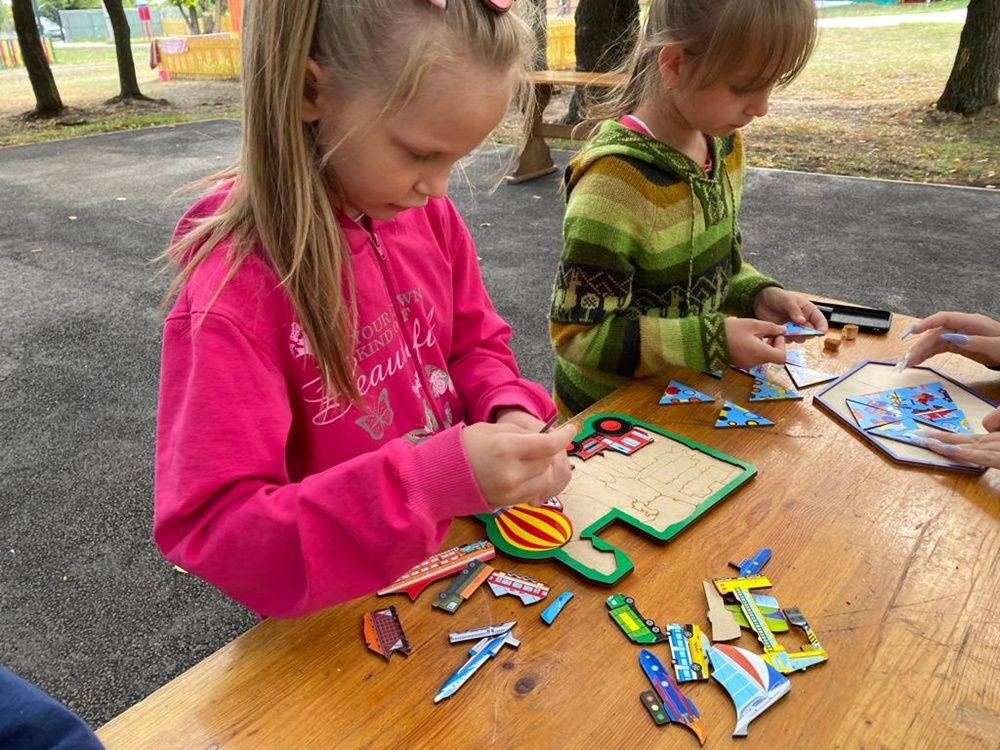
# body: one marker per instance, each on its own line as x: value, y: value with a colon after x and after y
x: 481, y: 363
x: 592, y: 320
x: 745, y: 283
x: 227, y: 510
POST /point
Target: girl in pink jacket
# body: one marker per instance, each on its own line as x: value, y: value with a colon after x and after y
x: 336, y: 385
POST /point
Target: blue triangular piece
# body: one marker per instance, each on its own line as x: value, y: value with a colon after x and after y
x: 678, y: 393
x: 803, y: 377
x: 757, y: 371
x: 794, y: 329
x: 764, y: 390
x: 732, y: 415
x: 717, y: 374
x: 796, y: 357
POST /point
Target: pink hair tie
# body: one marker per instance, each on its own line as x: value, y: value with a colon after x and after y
x: 497, y: 6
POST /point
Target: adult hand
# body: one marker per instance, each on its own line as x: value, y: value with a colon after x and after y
x: 753, y: 342
x: 779, y: 306
x: 513, y: 465
x: 974, y: 336
x: 983, y: 450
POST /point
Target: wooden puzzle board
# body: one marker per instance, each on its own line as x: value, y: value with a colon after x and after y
x: 871, y: 376
x: 659, y: 490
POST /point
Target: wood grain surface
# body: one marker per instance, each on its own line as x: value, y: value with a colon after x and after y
x: 895, y: 567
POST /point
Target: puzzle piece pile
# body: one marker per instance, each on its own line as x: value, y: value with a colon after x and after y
x: 753, y: 681
x: 383, y: 630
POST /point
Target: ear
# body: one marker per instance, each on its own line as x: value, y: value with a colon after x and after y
x: 311, y: 111
x: 671, y: 61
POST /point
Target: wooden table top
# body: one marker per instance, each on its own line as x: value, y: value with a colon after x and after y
x: 576, y: 78
x: 895, y: 567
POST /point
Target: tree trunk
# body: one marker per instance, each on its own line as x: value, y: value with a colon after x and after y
x: 217, y: 18
x: 123, y: 49
x: 539, y: 22
x: 605, y: 33
x: 975, y: 78
x: 47, y: 100
x: 193, y: 20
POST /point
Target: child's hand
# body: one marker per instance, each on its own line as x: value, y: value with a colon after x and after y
x: 974, y: 336
x: 753, y: 342
x: 779, y: 306
x: 513, y: 465
x: 520, y: 418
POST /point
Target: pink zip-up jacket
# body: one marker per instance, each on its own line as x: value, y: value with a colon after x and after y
x: 286, y: 499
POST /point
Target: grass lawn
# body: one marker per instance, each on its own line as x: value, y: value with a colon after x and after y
x: 104, y: 53
x: 875, y: 9
x: 863, y: 106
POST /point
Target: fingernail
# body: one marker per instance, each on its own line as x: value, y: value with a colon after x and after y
x: 908, y: 332
x: 938, y: 445
x: 932, y: 434
x: 901, y: 365
x: 956, y: 338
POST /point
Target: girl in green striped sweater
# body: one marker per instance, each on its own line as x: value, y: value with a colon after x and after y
x: 651, y: 256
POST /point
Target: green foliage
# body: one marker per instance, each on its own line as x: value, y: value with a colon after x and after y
x: 6, y: 20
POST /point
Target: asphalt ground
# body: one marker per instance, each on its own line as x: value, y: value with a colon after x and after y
x: 88, y: 608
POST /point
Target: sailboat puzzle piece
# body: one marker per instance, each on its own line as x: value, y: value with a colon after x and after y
x: 732, y: 415
x: 678, y: 393
x: 794, y: 329
x: 677, y: 706
x: 763, y: 390
x: 803, y: 377
x: 384, y: 632
x: 753, y: 684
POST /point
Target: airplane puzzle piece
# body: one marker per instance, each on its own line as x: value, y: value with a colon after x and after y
x: 752, y: 565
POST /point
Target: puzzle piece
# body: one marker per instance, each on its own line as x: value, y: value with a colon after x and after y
x: 758, y: 371
x: 732, y: 415
x: 764, y: 390
x: 803, y: 377
x: 794, y: 329
x: 678, y: 393
x: 795, y: 356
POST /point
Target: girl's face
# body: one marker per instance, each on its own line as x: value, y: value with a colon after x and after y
x: 386, y: 163
x: 723, y: 107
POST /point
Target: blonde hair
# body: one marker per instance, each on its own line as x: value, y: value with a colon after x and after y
x: 773, y: 39
x: 281, y: 193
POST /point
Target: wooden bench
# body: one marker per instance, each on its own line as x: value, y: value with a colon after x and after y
x: 536, y: 159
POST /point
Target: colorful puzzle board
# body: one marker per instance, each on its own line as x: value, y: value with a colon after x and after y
x: 872, y: 376
x: 659, y: 490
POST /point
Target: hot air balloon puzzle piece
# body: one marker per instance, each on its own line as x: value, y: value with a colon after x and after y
x: 732, y: 415
x: 753, y: 684
x: 677, y: 706
x: 886, y: 408
x: 687, y: 652
x: 552, y: 611
x: 533, y: 529
x: 525, y: 588
x: 479, y: 654
x: 438, y: 566
x: 384, y: 632
x: 797, y: 331
x: 630, y: 472
x: 636, y: 628
x: 678, y: 393
x: 724, y: 625
x: 464, y: 586
x: 763, y: 390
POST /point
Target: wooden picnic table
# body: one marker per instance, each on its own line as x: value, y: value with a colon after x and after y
x: 535, y: 159
x: 895, y: 568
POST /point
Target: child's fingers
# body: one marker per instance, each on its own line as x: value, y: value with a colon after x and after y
x: 814, y: 317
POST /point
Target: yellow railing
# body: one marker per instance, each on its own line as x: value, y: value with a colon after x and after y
x: 562, y: 44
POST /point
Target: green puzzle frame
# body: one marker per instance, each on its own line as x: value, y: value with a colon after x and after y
x: 623, y: 565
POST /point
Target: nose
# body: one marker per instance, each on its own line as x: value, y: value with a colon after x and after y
x: 758, y: 103
x: 433, y: 184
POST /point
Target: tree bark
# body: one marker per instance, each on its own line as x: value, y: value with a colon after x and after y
x: 539, y: 22
x: 48, y: 103
x: 975, y: 77
x: 605, y: 33
x: 123, y: 49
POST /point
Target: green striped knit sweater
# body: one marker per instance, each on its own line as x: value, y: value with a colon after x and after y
x: 651, y: 258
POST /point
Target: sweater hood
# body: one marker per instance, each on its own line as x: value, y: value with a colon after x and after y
x: 614, y: 139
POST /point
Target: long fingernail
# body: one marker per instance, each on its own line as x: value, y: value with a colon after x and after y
x: 932, y: 434
x: 901, y: 365
x: 938, y: 445
x: 956, y: 338
x: 908, y: 332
